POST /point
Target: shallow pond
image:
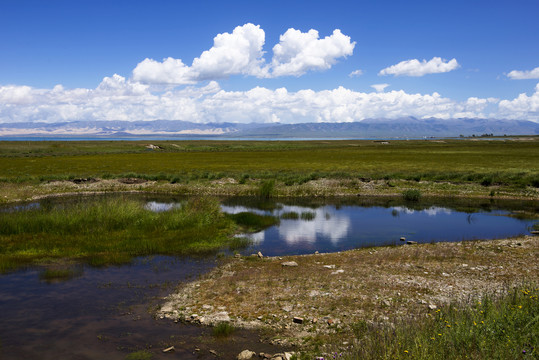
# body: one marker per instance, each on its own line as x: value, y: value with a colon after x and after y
x: 107, y: 312
x: 308, y: 228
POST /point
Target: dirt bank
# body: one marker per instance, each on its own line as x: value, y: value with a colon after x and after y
x: 13, y: 192
x: 325, y: 295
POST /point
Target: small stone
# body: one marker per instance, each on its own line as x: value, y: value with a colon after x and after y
x: 290, y: 263
x: 329, y: 266
x: 464, y: 265
x: 410, y: 242
x: 316, y: 252
x: 298, y: 320
x: 207, y: 307
x: 445, y: 274
x: 246, y: 355
x: 386, y: 303
x: 403, y: 238
x: 340, y: 271
x: 432, y: 307
x: 259, y: 318
x: 213, y: 352
x: 221, y: 317
x: 259, y: 254
x: 287, y: 308
x: 237, y: 256
x: 194, y: 316
x: 169, y: 349
x: 315, y: 320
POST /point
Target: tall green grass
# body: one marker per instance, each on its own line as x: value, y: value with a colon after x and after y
x: 112, y: 231
x: 492, y: 328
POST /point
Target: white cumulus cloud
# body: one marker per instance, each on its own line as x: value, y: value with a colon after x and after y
x: 168, y: 71
x: 298, y: 52
x: 522, y: 75
x: 415, y: 67
x: 241, y: 53
x: 236, y: 53
x: 522, y: 107
x: 118, y: 98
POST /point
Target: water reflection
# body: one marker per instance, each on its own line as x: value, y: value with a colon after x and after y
x: 432, y: 211
x: 156, y: 206
x: 336, y: 227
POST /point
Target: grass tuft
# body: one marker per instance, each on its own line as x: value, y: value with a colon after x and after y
x: 223, y: 329
x: 411, y: 195
x: 266, y: 189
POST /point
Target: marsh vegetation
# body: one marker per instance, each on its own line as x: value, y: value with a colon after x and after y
x: 114, y: 230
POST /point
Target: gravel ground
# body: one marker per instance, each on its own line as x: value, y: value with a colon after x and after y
x: 326, y: 294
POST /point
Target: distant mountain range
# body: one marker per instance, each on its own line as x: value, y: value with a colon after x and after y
x: 408, y: 127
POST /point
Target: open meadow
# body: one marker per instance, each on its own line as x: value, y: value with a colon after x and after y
x: 471, y: 167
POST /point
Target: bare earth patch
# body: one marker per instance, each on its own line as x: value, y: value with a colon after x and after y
x: 326, y: 294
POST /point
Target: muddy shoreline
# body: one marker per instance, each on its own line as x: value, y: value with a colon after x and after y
x: 10, y: 192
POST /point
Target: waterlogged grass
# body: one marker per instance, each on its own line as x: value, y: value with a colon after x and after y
x: 116, y: 230
x: 253, y: 222
x: 223, y: 329
x: 140, y: 355
x: 55, y: 275
x: 506, y: 328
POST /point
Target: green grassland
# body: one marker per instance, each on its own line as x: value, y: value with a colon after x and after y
x: 487, y: 162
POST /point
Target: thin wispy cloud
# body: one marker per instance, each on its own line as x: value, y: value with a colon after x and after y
x: 379, y: 87
x: 356, y: 73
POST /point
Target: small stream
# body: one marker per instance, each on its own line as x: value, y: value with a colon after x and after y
x: 107, y: 312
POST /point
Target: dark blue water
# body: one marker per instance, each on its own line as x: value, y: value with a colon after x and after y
x: 336, y: 228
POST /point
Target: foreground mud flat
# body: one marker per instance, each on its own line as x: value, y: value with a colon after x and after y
x: 299, y: 300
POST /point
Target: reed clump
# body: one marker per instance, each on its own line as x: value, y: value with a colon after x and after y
x: 112, y: 231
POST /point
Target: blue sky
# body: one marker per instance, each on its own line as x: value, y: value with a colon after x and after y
x: 76, y: 44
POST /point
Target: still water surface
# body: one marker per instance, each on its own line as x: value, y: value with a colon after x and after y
x: 330, y: 228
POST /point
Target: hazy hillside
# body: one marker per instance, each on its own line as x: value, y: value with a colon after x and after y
x: 371, y: 128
